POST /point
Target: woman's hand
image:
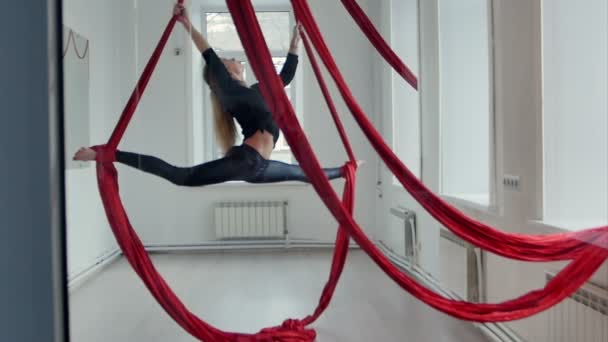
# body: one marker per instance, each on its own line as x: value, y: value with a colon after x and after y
x: 182, y: 15
x: 294, y: 46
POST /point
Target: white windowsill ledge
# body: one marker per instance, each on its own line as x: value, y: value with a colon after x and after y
x: 237, y: 184
x: 560, y: 226
x: 476, y: 202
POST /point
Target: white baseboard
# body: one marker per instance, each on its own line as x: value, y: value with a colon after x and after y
x: 496, y: 332
x: 242, y: 245
x: 81, y: 277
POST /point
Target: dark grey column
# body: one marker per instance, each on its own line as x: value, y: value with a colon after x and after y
x: 32, y: 267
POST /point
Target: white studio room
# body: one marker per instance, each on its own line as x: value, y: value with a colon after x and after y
x: 304, y: 170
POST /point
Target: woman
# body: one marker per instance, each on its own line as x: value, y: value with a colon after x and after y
x: 231, y: 99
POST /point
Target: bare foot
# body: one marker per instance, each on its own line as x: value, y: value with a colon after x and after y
x: 85, y: 154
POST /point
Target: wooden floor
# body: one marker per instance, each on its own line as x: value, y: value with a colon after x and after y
x: 246, y: 291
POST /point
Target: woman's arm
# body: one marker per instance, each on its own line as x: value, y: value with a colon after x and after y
x: 198, y: 39
x: 288, y: 71
x: 184, y: 18
x: 294, y: 46
x: 222, y: 77
x: 291, y: 63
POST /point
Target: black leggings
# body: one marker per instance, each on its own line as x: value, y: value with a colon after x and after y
x: 242, y: 163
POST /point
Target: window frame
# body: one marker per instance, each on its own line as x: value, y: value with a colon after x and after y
x: 494, y: 191
x: 395, y: 110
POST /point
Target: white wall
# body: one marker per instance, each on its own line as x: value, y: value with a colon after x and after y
x: 517, y: 44
x: 166, y: 214
x: 107, y: 26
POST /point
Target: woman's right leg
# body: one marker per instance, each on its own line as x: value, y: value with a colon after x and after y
x: 216, y: 171
x: 277, y: 171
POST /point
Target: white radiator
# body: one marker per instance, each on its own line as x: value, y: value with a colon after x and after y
x: 582, y: 318
x: 251, y: 220
x: 411, y: 245
x: 462, y: 267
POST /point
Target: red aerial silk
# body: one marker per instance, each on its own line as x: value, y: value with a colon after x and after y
x: 564, y: 246
x: 292, y: 330
x: 586, y: 257
x: 587, y: 261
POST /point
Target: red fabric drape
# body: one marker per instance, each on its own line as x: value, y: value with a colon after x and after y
x: 378, y: 42
x: 568, y: 280
x: 564, y: 246
x: 588, y: 257
x: 291, y: 330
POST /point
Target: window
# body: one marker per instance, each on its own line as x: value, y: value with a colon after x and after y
x: 575, y: 112
x: 406, y: 101
x: 222, y: 35
x: 465, y: 100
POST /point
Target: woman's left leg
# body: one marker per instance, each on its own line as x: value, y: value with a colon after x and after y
x: 231, y: 167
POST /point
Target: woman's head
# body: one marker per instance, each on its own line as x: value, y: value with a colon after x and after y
x: 235, y: 68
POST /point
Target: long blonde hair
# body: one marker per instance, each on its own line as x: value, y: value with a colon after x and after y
x: 223, y: 122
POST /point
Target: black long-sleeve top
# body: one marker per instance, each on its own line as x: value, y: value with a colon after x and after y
x: 246, y: 104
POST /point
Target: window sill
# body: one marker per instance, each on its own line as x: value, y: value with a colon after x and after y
x: 476, y: 202
x: 237, y: 184
x: 561, y: 226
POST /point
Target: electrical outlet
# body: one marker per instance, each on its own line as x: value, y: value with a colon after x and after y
x: 512, y: 182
